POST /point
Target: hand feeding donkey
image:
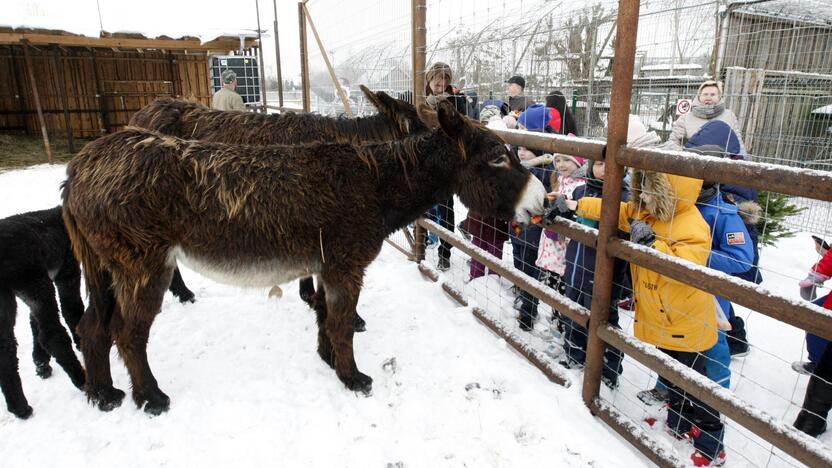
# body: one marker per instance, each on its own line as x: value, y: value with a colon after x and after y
x: 193, y: 121
x: 36, y: 253
x: 135, y: 202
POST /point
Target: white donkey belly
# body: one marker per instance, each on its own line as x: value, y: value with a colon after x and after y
x: 257, y: 274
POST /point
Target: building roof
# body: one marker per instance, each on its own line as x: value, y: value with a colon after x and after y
x: 806, y: 11
x: 126, y: 40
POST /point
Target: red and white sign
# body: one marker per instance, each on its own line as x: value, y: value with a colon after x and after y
x: 683, y: 106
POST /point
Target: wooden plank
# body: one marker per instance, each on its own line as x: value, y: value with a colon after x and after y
x: 101, y: 102
x: 21, y: 104
x: 59, y: 72
x: 33, y: 84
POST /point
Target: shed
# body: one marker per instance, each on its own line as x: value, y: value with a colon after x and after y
x: 85, y: 86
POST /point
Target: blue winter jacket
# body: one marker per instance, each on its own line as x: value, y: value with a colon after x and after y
x: 717, y: 132
x: 732, y: 250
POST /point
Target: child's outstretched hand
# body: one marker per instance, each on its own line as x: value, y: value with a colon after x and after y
x: 809, y: 284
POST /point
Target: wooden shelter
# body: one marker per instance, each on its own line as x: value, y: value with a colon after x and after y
x: 73, y: 86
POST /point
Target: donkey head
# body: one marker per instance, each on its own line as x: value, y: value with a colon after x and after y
x: 402, y: 113
x: 490, y: 179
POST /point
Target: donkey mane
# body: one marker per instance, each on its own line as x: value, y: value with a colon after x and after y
x: 190, y: 120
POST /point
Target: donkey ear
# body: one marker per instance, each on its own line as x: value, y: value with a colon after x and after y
x: 380, y: 100
x: 451, y: 121
x: 428, y: 115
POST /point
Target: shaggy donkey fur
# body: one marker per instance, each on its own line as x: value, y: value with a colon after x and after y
x: 136, y: 201
x: 193, y: 121
x: 36, y: 253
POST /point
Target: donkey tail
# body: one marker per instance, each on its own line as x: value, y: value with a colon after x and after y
x: 97, y: 278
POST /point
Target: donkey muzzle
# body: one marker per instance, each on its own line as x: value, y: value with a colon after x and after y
x: 532, y: 201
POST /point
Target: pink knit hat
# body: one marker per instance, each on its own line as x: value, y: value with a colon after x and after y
x: 579, y: 161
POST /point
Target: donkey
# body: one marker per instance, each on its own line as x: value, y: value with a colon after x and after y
x: 191, y: 120
x: 36, y: 254
x: 135, y: 202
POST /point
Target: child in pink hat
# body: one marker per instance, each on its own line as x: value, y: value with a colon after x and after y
x: 551, y: 253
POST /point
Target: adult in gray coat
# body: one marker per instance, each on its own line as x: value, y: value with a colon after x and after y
x: 707, y: 105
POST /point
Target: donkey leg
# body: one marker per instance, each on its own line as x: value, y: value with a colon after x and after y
x: 307, y: 290
x: 318, y: 302
x: 39, y: 295
x: 9, y: 375
x: 139, y: 309
x: 342, y: 297
x: 178, y: 288
x: 68, y: 283
x: 324, y: 345
x: 96, y: 341
x: 39, y: 355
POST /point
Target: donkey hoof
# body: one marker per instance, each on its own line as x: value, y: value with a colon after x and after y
x: 107, y: 399
x: 157, y: 405
x: 360, y: 383
x: 22, y: 412
x: 186, y: 297
x: 43, y: 370
x: 359, y: 325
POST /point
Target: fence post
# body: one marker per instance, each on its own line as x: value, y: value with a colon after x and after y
x: 277, y: 58
x: 418, y: 46
x: 622, y: 79
x: 304, y: 59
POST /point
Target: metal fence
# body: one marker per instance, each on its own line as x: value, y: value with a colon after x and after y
x: 781, y: 106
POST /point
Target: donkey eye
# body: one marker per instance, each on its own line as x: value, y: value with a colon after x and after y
x: 500, y: 161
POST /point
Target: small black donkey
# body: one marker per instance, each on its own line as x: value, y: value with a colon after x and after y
x: 35, y: 259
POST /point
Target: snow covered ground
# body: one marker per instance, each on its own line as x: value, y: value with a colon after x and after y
x: 247, y: 387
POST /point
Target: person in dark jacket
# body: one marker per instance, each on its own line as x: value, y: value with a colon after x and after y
x: 556, y: 100
x: 579, y: 278
x: 438, y: 86
x: 536, y: 118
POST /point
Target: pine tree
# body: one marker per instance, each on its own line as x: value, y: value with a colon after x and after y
x: 772, y: 225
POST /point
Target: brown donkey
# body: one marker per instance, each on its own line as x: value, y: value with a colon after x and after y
x: 135, y: 202
x: 193, y: 121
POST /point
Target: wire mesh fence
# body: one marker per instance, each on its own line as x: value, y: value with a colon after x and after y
x: 773, y: 63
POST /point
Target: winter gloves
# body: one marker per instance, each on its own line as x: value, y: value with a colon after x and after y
x: 559, y: 208
x: 642, y: 233
x: 808, y: 285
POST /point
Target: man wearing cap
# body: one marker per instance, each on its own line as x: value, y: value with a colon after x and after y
x: 227, y: 99
x: 515, y: 86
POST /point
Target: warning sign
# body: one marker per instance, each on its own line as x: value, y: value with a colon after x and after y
x: 683, y: 106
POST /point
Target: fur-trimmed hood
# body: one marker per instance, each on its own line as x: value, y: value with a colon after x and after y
x: 750, y: 211
x: 670, y: 193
